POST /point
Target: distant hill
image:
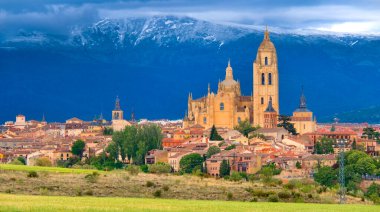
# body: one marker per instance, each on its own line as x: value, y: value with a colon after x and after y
x: 152, y: 63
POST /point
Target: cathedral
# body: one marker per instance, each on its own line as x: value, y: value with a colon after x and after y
x: 228, y: 106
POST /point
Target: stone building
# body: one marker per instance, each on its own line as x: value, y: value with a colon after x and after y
x: 228, y: 106
x: 303, y: 119
x: 118, y: 122
x: 265, y: 80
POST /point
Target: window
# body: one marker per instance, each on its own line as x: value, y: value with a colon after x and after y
x: 222, y: 106
x: 262, y: 100
x: 266, y: 61
x: 204, y: 120
x: 270, y: 79
x: 263, y: 79
x: 239, y: 120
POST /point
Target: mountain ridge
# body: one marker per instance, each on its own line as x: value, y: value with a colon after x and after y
x: 146, y: 60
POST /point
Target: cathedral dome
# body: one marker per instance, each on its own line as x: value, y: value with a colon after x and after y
x: 229, y: 81
x: 229, y: 84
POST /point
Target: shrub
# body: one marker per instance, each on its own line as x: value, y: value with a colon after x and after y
x: 43, y: 162
x: 165, y: 188
x: 233, y: 146
x: 16, y: 162
x: 212, y: 151
x: 133, y: 170
x: 309, y: 196
x: 78, y: 192
x: 8, y: 191
x: 284, y: 195
x: 92, y: 178
x: 261, y: 193
x: 254, y: 199
x: 157, y: 193
x: 89, y: 193
x: 149, y: 184
x: 144, y: 168
x: 32, y: 174
x: 290, y: 185
x: 321, y: 189
x: 273, y: 198
x: 159, y: 168
x: 229, y: 196
x: 235, y: 176
x: 253, y: 177
x: 296, y: 195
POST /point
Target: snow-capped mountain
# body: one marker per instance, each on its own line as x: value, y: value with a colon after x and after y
x: 153, y: 62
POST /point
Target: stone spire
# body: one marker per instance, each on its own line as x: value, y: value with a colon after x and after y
x: 43, y: 118
x: 270, y: 106
x: 302, y: 100
x: 117, y: 103
x: 229, y: 74
x: 266, y: 34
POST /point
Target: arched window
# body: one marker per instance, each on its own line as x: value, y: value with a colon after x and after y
x: 263, y: 79
x: 221, y: 106
x: 239, y: 119
x: 266, y: 61
x: 262, y: 100
x: 204, y: 120
x: 270, y: 79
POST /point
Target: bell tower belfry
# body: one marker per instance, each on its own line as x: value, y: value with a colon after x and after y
x: 265, y: 80
x: 117, y: 113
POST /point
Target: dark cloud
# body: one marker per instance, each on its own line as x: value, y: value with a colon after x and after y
x: 60, y: 15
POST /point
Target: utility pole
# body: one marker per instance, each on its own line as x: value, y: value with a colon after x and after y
x: 342, y: 193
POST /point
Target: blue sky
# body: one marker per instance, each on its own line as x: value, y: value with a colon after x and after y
x: 328, y: 15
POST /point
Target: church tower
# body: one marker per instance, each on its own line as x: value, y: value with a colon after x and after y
x: 265, y: 80
x: 270, y: 116
x: 117, y: 113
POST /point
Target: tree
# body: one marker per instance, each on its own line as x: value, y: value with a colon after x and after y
x: 298, y: 165
x: 113, y: 150
x: 354, y: 147
x: 324, y: 146
x: 284, y: 121
x: 78, y: 148
x: 135, y: 141
x: 365, y: 166
x: 224, y: 169
x: 190, y: 162
x: 212, y: 151
x: 107, y: 131
x: 214, y: 136
x: 326, y: 176
x: 368, y: 132
x: 245, y: 128
x: 148, y: 137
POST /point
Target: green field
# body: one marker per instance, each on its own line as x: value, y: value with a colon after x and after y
x: 45, y: 169
x: 10, y: 202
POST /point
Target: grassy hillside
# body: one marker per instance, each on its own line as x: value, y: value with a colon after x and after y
x: 44, y: 203
x: 46, y: 169
x: 17, y: 180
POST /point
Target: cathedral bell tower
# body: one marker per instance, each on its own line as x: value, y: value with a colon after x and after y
x: 265, y: 80
x: 117, y: 113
